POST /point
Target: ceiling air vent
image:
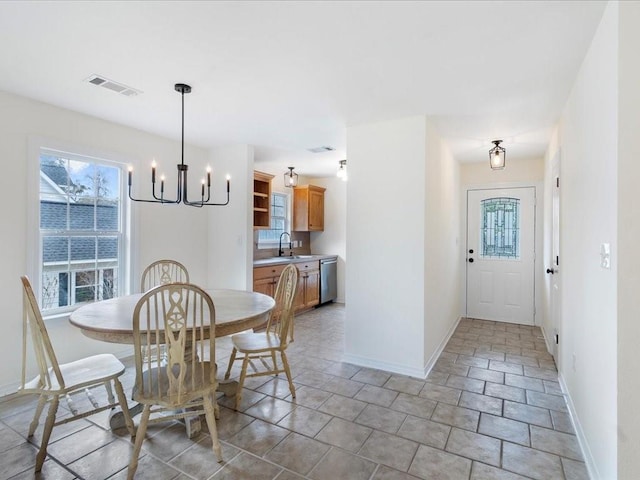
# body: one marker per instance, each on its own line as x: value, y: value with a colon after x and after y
x: 321, y: 149
x: 114, y: 86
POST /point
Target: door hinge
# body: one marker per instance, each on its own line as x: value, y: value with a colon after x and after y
x: 557, y: 339
x: 557, y: 261
x: 557, y: 182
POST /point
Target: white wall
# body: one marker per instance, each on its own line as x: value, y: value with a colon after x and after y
x: 385, y: 274
x: 442, y: 244
x: 402, y: 280
x: 588, y: 217
x: 161, y: 231
x: 628, y: 241
x: 230, y: 240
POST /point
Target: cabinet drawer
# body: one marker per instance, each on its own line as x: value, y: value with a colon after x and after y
x: 267, y: 272
x: 308, y: 266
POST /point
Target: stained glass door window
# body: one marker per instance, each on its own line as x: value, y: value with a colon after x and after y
x: 500, y: 228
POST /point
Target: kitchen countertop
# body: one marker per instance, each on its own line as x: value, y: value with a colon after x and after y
x: 288, y: 259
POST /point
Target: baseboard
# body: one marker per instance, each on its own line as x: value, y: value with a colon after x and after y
x: 582, y: 440
x: 440, y: 349
x: 546, y: 339
x: 403, y: 369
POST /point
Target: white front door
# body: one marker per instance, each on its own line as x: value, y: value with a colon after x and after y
x: 501, y: 254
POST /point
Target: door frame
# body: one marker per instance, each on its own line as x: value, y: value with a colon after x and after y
x: 537, y: 239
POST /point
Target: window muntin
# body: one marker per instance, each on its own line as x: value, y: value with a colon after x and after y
x: 279, y: 220
x: 500, y: 228
x: 81, y: 230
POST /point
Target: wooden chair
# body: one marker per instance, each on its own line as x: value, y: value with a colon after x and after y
x: 181, y: 316
x: 56, y: 380
x: 162, y: 272
x: 275, y: 339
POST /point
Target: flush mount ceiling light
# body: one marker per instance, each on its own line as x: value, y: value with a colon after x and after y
x: 497, y: 156
x: 342, y: 170
x: 181, y: 195
x: 290, y: 178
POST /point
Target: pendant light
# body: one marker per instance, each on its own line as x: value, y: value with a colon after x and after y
x: 342, y: 170
x: 497, y: 156
x: 290, y: 178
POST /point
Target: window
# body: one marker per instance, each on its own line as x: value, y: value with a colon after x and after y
x: 82, y: 241
x: 500, y: 228
x: 279, y: 221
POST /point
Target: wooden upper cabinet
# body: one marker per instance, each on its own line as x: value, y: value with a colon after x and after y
x: 261, y: 200
x: 308, y: 208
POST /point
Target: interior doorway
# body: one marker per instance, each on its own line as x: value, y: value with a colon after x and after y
x: 501, y: 254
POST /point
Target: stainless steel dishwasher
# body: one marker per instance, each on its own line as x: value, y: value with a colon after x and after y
x: 328, y: 279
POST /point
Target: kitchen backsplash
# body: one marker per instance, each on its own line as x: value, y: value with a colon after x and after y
x: 298, y: 238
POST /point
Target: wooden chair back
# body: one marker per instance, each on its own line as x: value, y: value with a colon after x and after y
x: 162, y: 272
x: 281, y: 319
x: 180, y: 316
x: 33, y: 327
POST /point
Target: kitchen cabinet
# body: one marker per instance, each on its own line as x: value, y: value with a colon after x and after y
x: 308, y: 208
x: 261, y: 200
x: 265, y: 280
x: 308, y: 294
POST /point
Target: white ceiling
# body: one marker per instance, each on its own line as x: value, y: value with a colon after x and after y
x: 289, y: 76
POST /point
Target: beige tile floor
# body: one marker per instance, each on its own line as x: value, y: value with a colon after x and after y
x: 491, y: 408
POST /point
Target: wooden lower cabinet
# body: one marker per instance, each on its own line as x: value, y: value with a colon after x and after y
x: 265, y: 280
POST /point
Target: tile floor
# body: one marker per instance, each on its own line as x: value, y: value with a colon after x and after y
x: 490, y: 409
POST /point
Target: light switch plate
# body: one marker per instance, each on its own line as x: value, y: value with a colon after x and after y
x: 605, y: 255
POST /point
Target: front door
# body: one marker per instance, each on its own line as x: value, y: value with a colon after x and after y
x: 501, y: 254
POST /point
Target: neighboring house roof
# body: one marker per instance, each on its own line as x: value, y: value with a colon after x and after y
x: 53, y: 216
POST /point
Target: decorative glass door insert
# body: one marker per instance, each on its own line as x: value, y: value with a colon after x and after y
x: 500, y: 228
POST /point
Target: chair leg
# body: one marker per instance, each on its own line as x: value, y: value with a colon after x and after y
x: 287, y: 370
x: 211, y: 424
x: 36, y: 418
x: 46, y: 434
x: 122, y: 398
x: 231, y: 360
x: 243, y: 374
x: 142, y: 430
x: 273, y: 359
x: 110, y: 396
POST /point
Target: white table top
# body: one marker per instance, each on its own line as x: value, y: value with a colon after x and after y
x: 111, y: 320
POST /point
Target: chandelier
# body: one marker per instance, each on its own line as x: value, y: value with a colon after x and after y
x: 181, y: 195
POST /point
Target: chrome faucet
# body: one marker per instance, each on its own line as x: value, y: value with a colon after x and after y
x: 280, y: 251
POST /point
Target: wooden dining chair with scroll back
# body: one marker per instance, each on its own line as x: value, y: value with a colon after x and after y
x: 162, y: 272
x: 56, y: 380
x: 275, y: 339
x: 181, y: 316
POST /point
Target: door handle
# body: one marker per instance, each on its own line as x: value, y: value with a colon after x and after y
x: 551, y: 271
x: 471, y: 260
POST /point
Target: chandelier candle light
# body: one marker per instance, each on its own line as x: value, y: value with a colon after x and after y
x: 181, y: 196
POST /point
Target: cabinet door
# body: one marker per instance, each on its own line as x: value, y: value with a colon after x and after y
x: 312, y: 288
x: 298, y: 300
x: 316, y: 210
x: 265, y: 285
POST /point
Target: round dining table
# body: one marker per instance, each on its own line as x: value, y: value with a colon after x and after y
x: 112, y: 321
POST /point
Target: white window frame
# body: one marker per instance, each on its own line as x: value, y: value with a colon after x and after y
x: 38, y: 145
x: 287, y: 221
